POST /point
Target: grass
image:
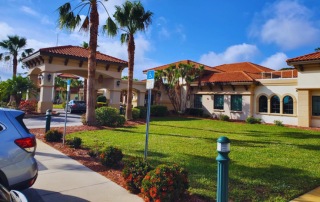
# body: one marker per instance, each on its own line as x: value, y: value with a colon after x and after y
x: 268, y: 163
x: 57, y: 106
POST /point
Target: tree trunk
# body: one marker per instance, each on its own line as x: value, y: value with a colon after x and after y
x: 85, y: 90
x: 14, y: 75
x: 131, y: 49
x: 94, y: 23
x: 15, y: 65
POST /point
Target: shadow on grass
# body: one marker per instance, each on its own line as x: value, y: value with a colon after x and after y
x: 268, y: 183
x: 300, y: 135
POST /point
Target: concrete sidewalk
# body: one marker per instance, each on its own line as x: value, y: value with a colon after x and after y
x: 61, y: 178
x: 312, y: 196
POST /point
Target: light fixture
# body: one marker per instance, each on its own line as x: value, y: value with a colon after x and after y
x: 118, y: 83
x: 49, y: 77
x: 223, y: 145
x: 164, y: 79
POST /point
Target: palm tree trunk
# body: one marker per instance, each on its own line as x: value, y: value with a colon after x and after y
x: 14, y: 75
x: 15, y: 65
x: 94, y: 23
x: 131, y: 49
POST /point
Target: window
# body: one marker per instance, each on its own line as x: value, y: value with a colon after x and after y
x: 287, y: 105
x: 315, y: 105
x: 198, y: 101
x: 218, y: 102
x: 275, y: 104
x: 236, y: 102
x: 263, y: 104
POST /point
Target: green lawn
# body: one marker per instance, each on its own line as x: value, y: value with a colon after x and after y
x: 268, y: 163
x: 57, y: 106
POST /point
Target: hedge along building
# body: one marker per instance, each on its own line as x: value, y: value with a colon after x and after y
x: 46, y: 62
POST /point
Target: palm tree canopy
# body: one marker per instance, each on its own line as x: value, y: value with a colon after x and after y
x: 70, y: 20
x: 131, y: 18
x: 13, y: 44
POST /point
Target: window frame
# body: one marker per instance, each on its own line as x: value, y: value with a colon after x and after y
x: 313, y: 104
x: 196, y: 102
x: 264, y: 107
x: 234, y: 106
x: 274, y: 107
x: 287, y: 108
x: 216, y: 104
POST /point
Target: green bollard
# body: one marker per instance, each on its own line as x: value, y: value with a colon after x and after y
x: 223, y: 148
x: 48, y: 119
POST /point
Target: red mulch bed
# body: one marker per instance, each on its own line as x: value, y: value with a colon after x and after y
x: 81, y: 155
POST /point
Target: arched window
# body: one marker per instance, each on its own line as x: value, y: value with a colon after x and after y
x: 263, y: 104
x: 287, y: 105
x: 275, y: 104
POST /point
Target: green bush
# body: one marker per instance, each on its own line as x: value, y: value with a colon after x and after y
x: 109, y: 116
x: 165, y: 183
x: 102, y: 98
x: 223, y: 117
x: 111, y: 156
x: 76, y: 142
x: 134, y: 172
x: 158, y: 110
x: 53, y: 136
x: 278, y: 123
x: 3, y: 104
x: 63, y: 104
x: 252, y: 120
x: 101, y: 104
x: 143, y: 112
x: 194, y: 112
x: 135, y: 113
x: 83, y: 119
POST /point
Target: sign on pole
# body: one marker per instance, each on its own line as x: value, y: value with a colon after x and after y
x: 150, y: 86
x: 150, y: 79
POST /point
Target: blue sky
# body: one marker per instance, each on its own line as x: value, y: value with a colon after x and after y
x: 211, y: 32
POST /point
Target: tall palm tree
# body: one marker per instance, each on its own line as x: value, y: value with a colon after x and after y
x: 70, y: 20
x: 14, y: 44
x: 131, y: 17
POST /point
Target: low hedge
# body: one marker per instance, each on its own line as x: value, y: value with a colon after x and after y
x: 158, y: 110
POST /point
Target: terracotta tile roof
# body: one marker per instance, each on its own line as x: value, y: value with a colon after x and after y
x: 79, y: 52
x: 308, y: 57
x: 238, y: 76
x: 207, y: 68
x: 243, y: 66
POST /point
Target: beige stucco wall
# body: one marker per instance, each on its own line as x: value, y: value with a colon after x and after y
x: 281, y: 88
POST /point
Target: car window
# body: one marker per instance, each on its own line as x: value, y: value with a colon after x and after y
x: 79, y: 102
x: 1, y: 127
x: 20, y: 120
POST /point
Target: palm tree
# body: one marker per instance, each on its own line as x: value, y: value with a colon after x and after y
x: 70, y: 20
x: 13, y: 45
x: 131, y: 17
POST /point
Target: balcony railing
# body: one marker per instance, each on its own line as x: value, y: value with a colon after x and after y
x: 284, y: 74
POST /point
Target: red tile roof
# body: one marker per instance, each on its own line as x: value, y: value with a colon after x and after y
x: 238, y: 76
x: 80, y: 52
x: 308, y: 57
x: 196, y: 64
x: 243, y: 66
x: 71, y: 76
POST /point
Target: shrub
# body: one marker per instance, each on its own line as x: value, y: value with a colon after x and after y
x: 194, y: 112
x: 28, y: 105
x: 278, y: 123
x: 143, y: 112
x: 53, y: 136
x: 76, y: 142
x: 63, y: 104
x: 102, y: 98
x: 108, y: 116
x: 252, y: 120
x: 158, y: 110
x: 134, y: 172
x: 3, y: 104
x: 83, y: 119
x: 135, y: 113
x: 223, y: 117
x: 111, y: 156
x: 101, y: 104
x: 165, y: 183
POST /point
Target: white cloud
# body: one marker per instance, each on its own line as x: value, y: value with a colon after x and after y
x: 29, y: 11
x: 236, y: 53
x: 276, y: 61
x: 5, y: 30
x: 287, y: 24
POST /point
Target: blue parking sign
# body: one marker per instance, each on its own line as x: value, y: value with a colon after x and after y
x: 150, y: 74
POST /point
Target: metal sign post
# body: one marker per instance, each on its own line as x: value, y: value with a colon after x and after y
x: 66, y: 111
x: 150, y: 86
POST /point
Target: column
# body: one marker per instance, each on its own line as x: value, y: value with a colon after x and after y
x: 115, y: 98
x: 141, y: 97
x: 33, y: 95
x: 46, y: 88
x: 304, y: 109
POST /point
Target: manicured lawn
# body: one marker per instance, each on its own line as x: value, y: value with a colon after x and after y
x: 57, y: 106
x: 268, y: 163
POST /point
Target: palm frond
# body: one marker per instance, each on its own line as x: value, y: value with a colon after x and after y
x: 124, y: 38
x: 110, y: 27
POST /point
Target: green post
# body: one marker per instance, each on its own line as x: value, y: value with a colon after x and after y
x: 48, y: 119
x: 223, y: 148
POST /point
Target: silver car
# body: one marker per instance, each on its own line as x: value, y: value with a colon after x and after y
x: 18, y: 167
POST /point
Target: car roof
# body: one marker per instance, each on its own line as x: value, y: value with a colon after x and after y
x: 13, y: 112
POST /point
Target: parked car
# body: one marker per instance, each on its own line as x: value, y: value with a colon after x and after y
x: 18, y: 167
x: 76, y: 106
x: 11, y: 196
